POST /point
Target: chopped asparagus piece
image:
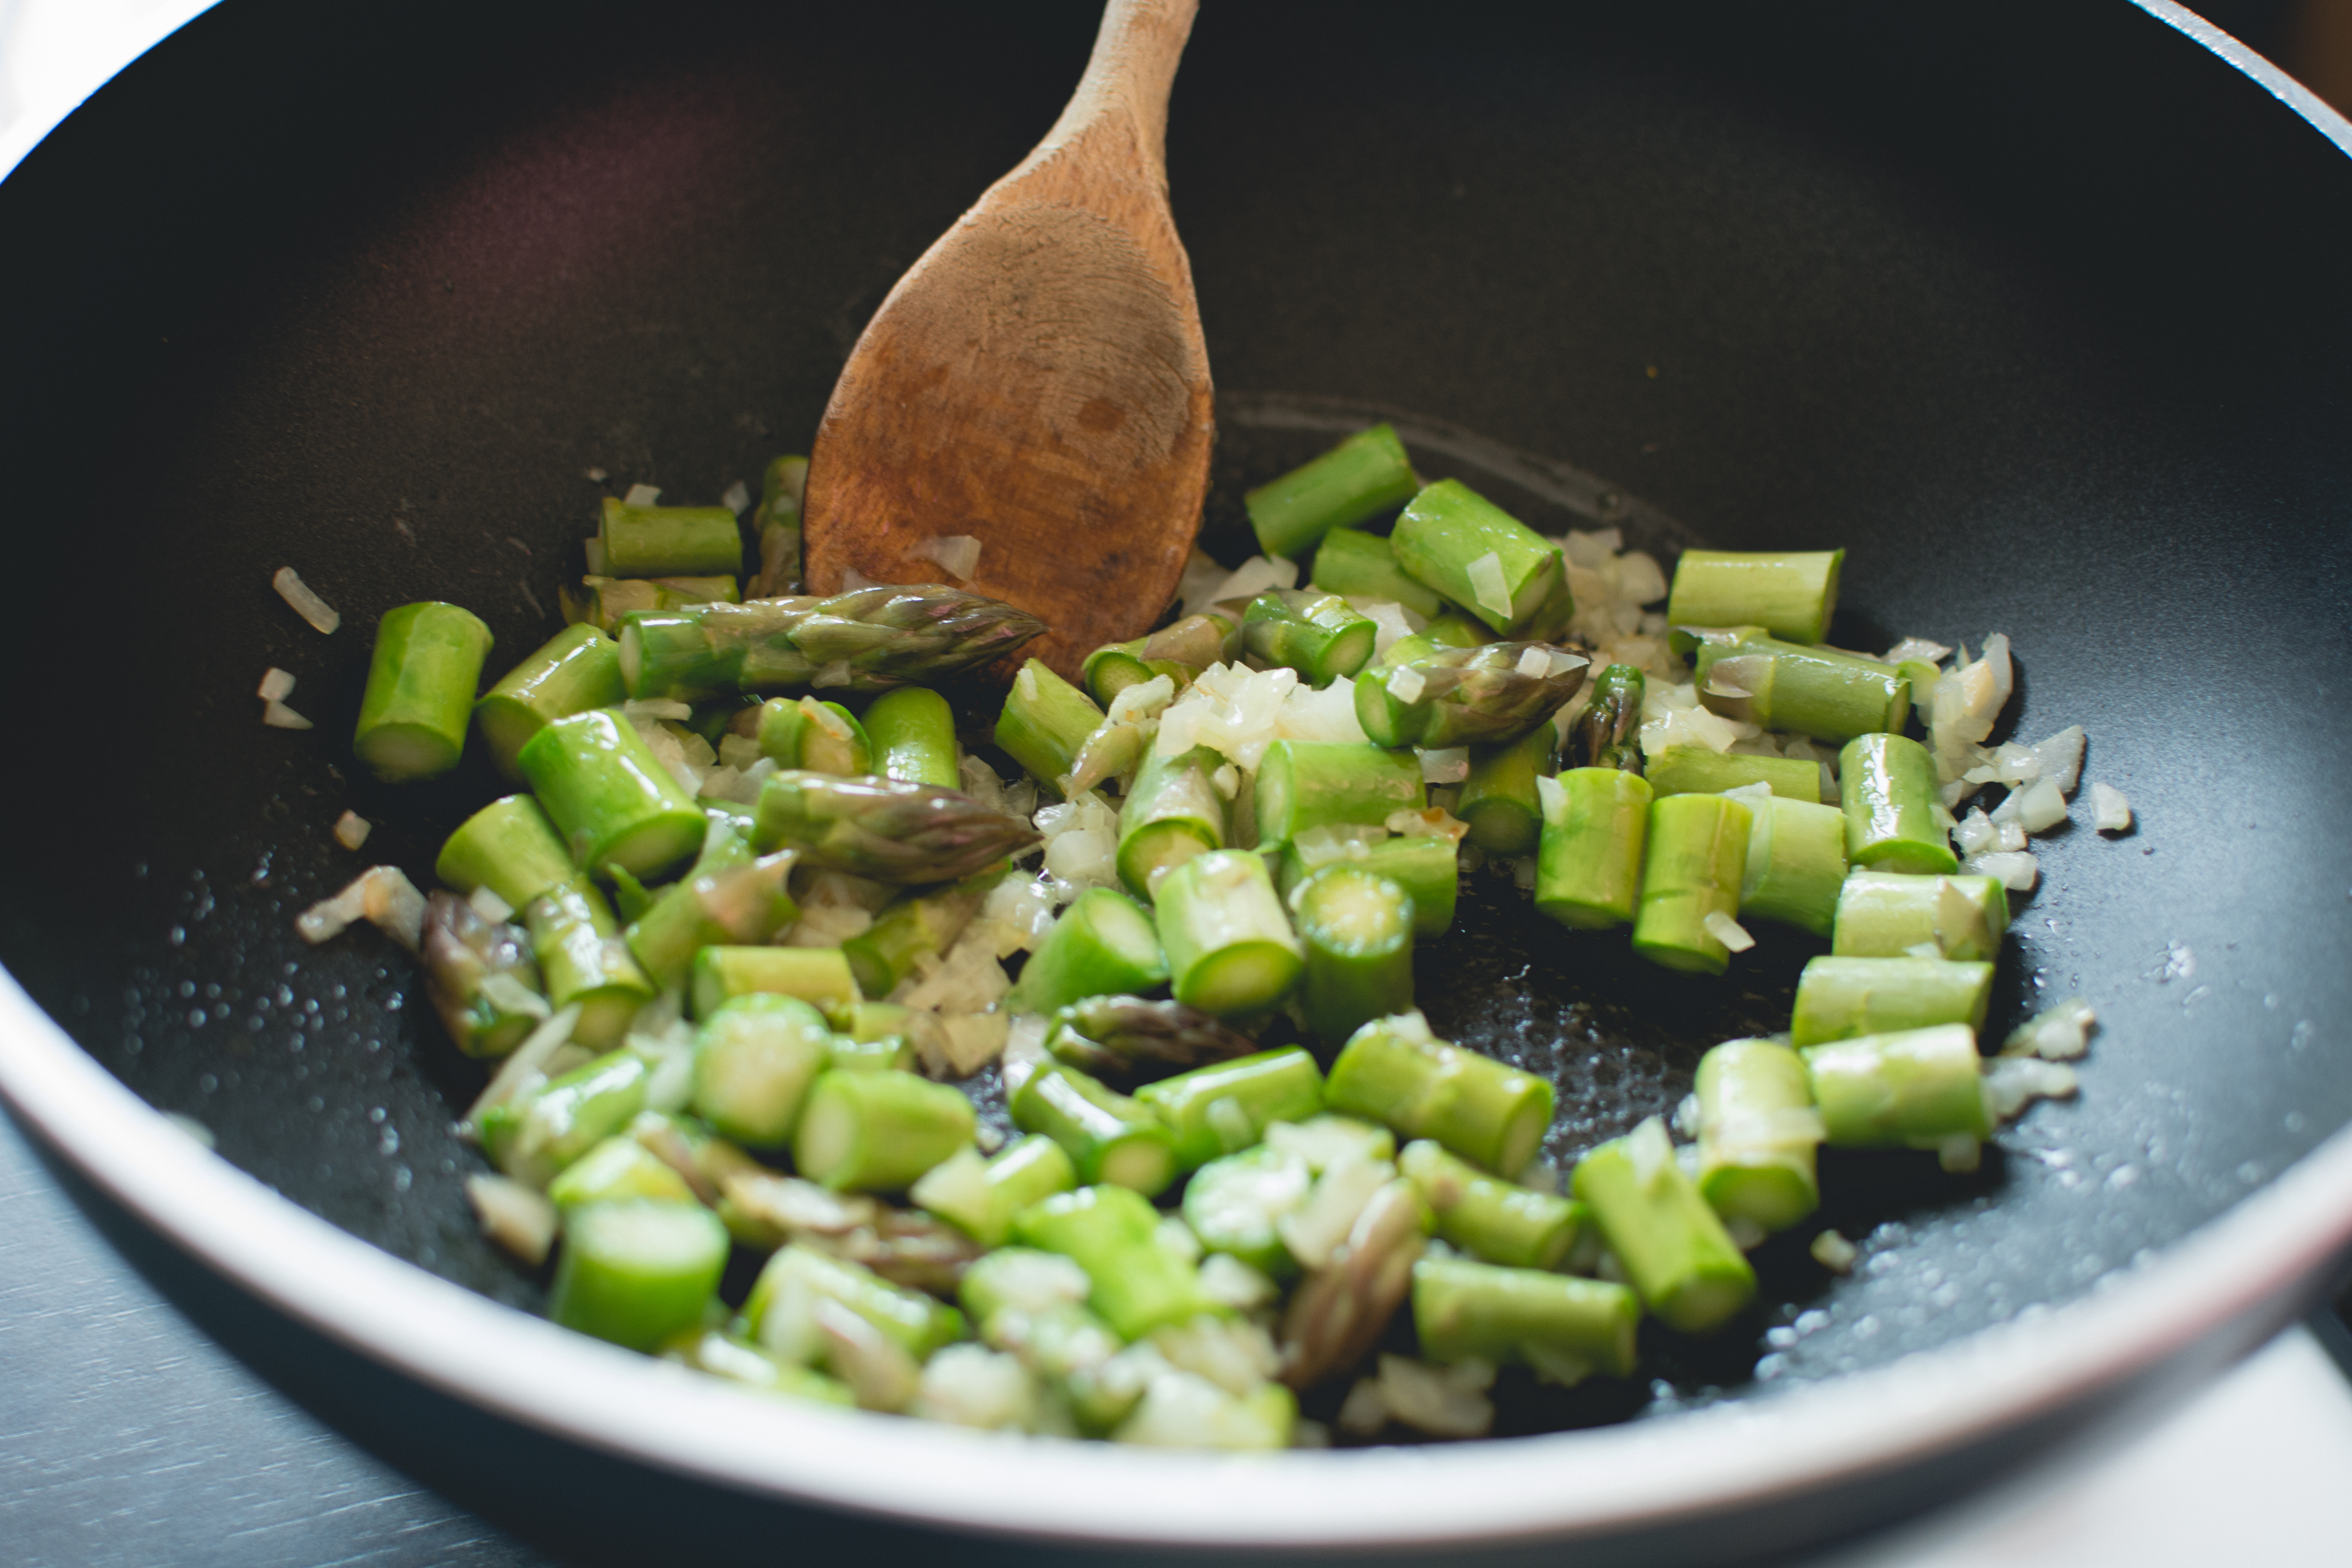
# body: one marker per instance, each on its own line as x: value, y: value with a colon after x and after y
x: 1831, y: 696
x: 583, y: 958
x: 914, y: 738
x: 1886, y: 914
x: 1136, y: 1284
x: 508, y: 847
x: 1675, y: 1250
x: 1886, y: 785
x: 1484, y: 558
x: 1694, y: 864
x: 1756, y: 1133
x: 1499, y: 799
x: 613, y: 802
x: 981, y: 1196
x: 1306, y: 784
x: 1172, y: 813
x: 420, y: 691
x: 1796, y: 863
x: 1230, y: 947
x: 1588, y: 862
x: 1122, y: 1037
x: 1318, y: 634
x: 1108, y: 1136
x: 1358, y: 929
x: 576, y: 670
x: 1838, y: 998
x: 754, y: 1059
x: 1488, y: 1217
x: 867, y: 640
x: 638, y: 1273
x: 1564, y: 1328
x: 1790, y: 595
x: 1395, y: 1072
x: 1609, y: 733
x: 822, y: 737
x: 1362, y: 476
x: 1226, y: 1107
x: 1438, y: 697
x: 818, y: 975
x: 1044, y: 723
x: 670, y: 541
x: 878, y: 1132
x: 1103, y: 945
x: 481, y: 977
x: 1913, y: 1088
x: 1696, y: 770
x: 1362, y: 566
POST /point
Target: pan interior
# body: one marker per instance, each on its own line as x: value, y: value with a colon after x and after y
x: 369, y: 297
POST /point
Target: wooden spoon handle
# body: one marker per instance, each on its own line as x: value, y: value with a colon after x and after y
x: 1130, y: 73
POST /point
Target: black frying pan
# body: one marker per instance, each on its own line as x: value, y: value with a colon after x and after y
x: 2038, y: 310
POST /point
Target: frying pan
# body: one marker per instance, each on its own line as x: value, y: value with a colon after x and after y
x: 2035, y: 308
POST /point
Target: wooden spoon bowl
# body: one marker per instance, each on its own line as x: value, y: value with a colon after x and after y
x: 1037, y: 380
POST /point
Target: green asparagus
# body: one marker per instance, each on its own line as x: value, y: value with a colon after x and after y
x: 1675, y: 1250
x: 1103, y: 945
x: 420, y: 691
x: 1358, y: 931
x: 884, y: 829
x: 1230, y: 947
x: 1484, y: 558
x: 1362, y: 476
x: 577, y: 669
x: 1589, y: 861
x: 1394, y: 1071
x: 867, y: 640
x: 1609, y: 734
x: 613, y: 802
x: 1694, y: 863
x: 1838, y: 998
x: 1790, y: 595
x: 1456, y: 697
x: 1318, y: 634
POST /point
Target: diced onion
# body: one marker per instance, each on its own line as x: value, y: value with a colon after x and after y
x: 737, y: 498
x: 352, y: 830
x: 1446, y: 765
x: 642, y: 495
x: 322, y: 617
x: 517, y: 1217
x: 490, y: 907
x: 278, y: 716
x: 1834, y: 1252
x: 1406, y: 684
x: 1487, y: 587
x: 276, y: 685
x: 2110, y: 812
x: 956, y: 553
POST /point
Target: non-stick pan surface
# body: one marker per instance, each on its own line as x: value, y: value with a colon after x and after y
x: 2035, y: 309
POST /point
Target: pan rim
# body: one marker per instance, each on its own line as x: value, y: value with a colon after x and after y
x: 2223, y: 1289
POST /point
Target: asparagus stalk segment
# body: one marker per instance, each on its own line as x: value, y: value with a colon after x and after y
x: 1566, y: 1328
x: 1172, y: 813
x: 1318, y: 634
x: 1886, y: 785
x: 1044, y: 723
x: 1233, y: 1205
x: 874, y: 1036
x: 884, y: 829
x: 605, y: 602
x: 730, y: 897
x: 1394, y: 1071
x: 1831, y: 696
x: 1484, y: 558
x: 1134, y: 1283
x: 1358, y: 929
x: 1838, y: 998
x: 914, y: 737
x: 820, y: 737
x: 1499, y: 800
x: 1610, y: 732
x: 638, y: 1273
x: 878, y: 1132
x: 1694, y: 864
x: 1758, y: 1130
x: 667, y: 540
x: 1790, y: 595
x: 1362, y: 476
x: 1225, y: 1107
x: 1886, y: 914
x: 1195, y: 642
x: 780, y: 1312
x: 776, y: 526
x: 1108, y: 1136
x: 618, y: 1169
x: 1112, y: 668
x: 481, y: 977
x: 911, y: 929
x: 1362, y: 566
x: 1340, y: 1309
x: 820, y: 976
x: 867, y: 640
x: 583, y: 958
x: 1589, y: 859
x: 1796, y: 863
x: 1122, y: 1037
x: 1304, y: 784
x: 1919, y: 1089
x: 613, y: 803
x: 754, y: 1059
x: 1492, y: 694
x: 508, y: 847
x: 1696, y: 770
x: 1230, y: 947
x: 1488, y: 1217
x: 576, y: 670
x: 1425, y: 864
x: 981, y: 1196
x: 1675, y: 1252
x: 1103, y: 946
x: 535, y: 1138
x: 420, y: 691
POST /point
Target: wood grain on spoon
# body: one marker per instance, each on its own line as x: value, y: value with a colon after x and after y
x: 1037, y: 380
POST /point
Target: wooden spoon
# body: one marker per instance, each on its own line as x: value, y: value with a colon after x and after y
x: 1037, y: 380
